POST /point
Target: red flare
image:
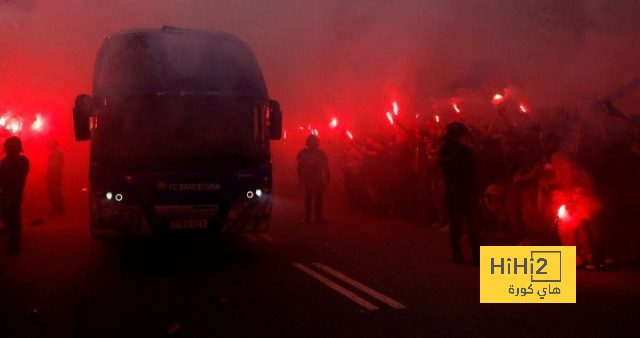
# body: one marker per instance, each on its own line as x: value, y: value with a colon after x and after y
x: 14, y: 126
x: 497, y: 99
x: 334, y: 122
x: 390, y: 118
x: 38, y: 124
x: 523, y: 108
x: 563, y: 214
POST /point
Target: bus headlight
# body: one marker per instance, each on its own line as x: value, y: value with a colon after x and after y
x: 111, y: 196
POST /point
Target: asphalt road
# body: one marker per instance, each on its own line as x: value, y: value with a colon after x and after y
x: 356, y: 277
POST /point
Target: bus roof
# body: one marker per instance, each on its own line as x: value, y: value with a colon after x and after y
x: 175, y: 60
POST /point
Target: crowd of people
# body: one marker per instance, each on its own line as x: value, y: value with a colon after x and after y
x: 513, y: 181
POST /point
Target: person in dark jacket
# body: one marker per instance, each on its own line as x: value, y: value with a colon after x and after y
x: 313, y: 172
x: 13, y: 175
x: 457, y: 163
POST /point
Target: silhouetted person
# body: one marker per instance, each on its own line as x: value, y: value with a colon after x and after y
x: 55, y: 167
x: 13, y: 175
x: 458, y: 170
x: 313, y: 172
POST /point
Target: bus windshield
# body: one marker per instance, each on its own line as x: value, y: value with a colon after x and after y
x: 146, y: 63
x: 180, y: 133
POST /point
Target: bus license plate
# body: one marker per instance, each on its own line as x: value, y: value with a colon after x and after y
x: 181, y: 224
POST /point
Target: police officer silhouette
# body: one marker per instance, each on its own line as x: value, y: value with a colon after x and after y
x: 14, y: 168
x: 313, y: 172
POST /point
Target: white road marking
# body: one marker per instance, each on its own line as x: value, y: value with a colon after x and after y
x: 341, y: 290
x: 371, y: 292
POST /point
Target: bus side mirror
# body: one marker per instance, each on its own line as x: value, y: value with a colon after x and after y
x: 275, y: 120
x: 81, y: 116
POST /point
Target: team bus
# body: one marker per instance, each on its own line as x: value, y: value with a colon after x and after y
x: 180, y: 124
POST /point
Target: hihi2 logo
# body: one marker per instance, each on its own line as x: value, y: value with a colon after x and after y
x: 528, y: 274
